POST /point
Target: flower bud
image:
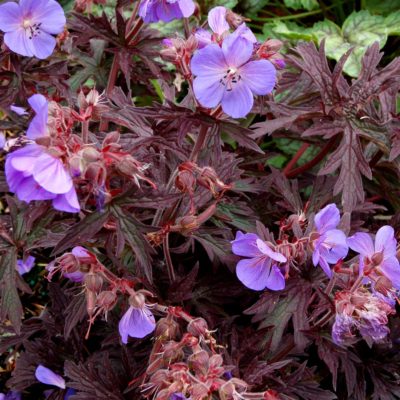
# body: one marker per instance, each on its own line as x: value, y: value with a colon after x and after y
x: 90, y: 154
x: 185, y: 181
x: 96, y: 173
x: 199, y: 362
x: 106, y: 300
x: 167, y: 327
x: 233, y: 19
x: 111, y: 138
x: 377, y: 258
x: 137, y: 300
x: 197, y: 327
x: 68, y: 263
x: 93, y: 282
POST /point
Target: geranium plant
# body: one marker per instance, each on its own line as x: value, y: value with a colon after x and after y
x: 151, y: 247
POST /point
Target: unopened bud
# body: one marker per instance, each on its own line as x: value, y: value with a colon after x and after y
x: 199, y: 362
x: 271, y: 395
x: 90, y: 154
x: 377, y: 258
x: 233, y: 19
x: 198, y: 327
x: 96, y: 173
x: 106, y: 300
x: 68, y: 263
x: 137, y: 300
x: 93, y: 282
x: 111, y: 138
x: 167, y: 327
x: 185, y: 181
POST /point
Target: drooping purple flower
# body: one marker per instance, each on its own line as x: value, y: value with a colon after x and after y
x: 48, y: 377
x: 178, y: 396
x: 379, y: 257
x: 24, y: 266
x: 343, y: 329
x: 34, y: 174
x: 11, y: 396
x: 69, y: 264
x: 226, y: 75
x: 38, y: 126
x: 260, y: 270
x: 330, y: 243
x: 29, y: 26
x: 137, y: 322
x: 2, y: 140
x: 363, y: 312
x: 18, y: 110
x: 165, y: 10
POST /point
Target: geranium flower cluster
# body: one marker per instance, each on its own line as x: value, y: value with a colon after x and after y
x: 228, y: 68
x: 364, y: 305
x: 185, y: 364
x: 102, y: 289
x: 54, y: 163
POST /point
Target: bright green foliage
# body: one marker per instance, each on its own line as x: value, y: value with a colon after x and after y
x: 359, y: 31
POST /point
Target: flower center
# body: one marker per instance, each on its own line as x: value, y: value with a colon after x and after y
x: 231, y: 77
x: 31, y: 28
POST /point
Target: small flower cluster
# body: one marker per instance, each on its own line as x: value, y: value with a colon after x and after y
x: 55, y: 162
x: 185, y: 364
x: 366, y: 300
x: 102, y: 288
x: 229, y: 68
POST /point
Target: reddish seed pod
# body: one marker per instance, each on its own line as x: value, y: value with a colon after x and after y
x: 93, y: 282
x: 197, y: 327
x: 167, y: 327
x: 106, y: 300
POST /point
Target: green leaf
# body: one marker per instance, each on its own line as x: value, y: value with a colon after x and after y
x: 10, y: 304
x: 253, y: 6
x: 302, y: 4
x: 287, y: 30
x: 381, y: 6
x: 360, y: 30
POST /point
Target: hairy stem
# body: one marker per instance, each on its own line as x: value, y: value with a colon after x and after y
x: 296, y: 158
x: 201, y: 138
x: 167, y: 254
x: 85, y: 131
x: 110, y: 86
x: 308, y: 165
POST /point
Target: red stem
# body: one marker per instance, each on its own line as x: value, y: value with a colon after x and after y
x: 296, y: 158
x: 110, y: 86
x: 167, y: 254
x: 314, y: 161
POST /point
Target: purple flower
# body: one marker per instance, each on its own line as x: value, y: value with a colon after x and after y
x: 38, y: 126
x: 24, y: 266
x: 34, y: 174
x: 227, y: 76
x: 18, y: 110
x: 11, y: 396
x: 137, y: 322
x: 2, y: 140
x: 178, y: 396
x: 260, y: 270
x: 380, y: 257
x: 342, y: 329
x: 29, y: 26
x: 48, y: 377
x: 330, y: 244
x: 165, y: 10
x: 217, y: 20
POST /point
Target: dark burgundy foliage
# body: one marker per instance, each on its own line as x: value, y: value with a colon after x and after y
x: 170, y: 235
